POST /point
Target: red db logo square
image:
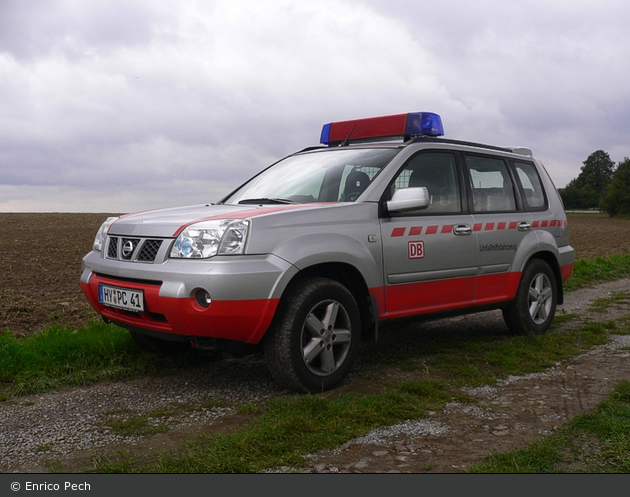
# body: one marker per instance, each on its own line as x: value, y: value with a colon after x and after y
x: 416, y: 250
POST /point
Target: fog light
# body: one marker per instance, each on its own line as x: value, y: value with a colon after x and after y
x: 203, y: 298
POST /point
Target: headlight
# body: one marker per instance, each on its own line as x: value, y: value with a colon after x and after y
x: 208, y: 238
x: 102, y: 233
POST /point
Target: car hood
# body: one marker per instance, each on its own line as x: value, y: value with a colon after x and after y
x: 167, y: 223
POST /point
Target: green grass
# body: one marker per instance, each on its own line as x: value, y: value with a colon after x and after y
x: 62, y: 356
x: 136, y: 425
x: 597, y: 442
x: 600, y: 269
x: 473, y: 359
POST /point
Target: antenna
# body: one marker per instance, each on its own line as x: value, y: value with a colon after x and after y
x: 345, y: 142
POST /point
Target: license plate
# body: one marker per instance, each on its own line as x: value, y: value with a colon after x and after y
x: 121, y: 298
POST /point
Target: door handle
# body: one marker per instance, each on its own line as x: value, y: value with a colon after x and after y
x: 524, y: 226
x: 462, y: 230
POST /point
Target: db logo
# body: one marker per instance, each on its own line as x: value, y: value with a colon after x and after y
x: 416, y: 250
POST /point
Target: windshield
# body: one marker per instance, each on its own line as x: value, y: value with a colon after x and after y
x: 331, y: 175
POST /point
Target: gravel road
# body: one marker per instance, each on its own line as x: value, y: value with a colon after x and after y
x: 69, y: 425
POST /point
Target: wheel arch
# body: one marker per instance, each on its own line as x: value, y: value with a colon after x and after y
x: 349, y: 276
x: 551, y: 259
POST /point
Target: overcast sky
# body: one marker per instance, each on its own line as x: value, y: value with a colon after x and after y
x: 128, y: 105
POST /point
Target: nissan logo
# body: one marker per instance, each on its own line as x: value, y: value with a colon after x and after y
x: 127, y: 249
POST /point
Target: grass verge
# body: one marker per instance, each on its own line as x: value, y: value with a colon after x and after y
x: 62, y: 356
x: 600, y: 269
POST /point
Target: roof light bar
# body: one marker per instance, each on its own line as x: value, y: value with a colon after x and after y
x: 382, y: 128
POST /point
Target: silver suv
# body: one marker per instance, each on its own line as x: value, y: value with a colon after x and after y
x: 385, y: 220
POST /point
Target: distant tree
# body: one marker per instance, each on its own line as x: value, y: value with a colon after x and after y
x: 579, y: 197
x: 597, y: 171
x: 586, y: 191
x: 616, y: 200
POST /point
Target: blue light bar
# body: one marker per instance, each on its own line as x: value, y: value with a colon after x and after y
x: 382, y: 128
x: 424, y: 124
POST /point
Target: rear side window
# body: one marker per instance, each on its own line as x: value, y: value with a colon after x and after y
x: 533, y: 193
x: 491, y: 184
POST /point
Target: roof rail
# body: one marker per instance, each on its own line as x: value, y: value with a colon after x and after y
x: 521, y: 150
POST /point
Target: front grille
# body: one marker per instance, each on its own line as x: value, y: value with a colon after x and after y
x: 112, y: 248
x: 149, y: 250
x: 133, y: 249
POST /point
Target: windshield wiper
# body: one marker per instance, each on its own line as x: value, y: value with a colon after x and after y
x: 267, y: 201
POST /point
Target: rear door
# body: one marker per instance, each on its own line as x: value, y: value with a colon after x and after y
x: 500, y: 224
x: 430, y: 255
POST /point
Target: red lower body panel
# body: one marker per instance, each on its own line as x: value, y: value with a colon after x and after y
x: 241, y: 320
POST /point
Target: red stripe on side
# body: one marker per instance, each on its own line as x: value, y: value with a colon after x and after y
x: 396, y: 232
x: 445, y: 295
x: 493, y: 288
x: 429, y: 296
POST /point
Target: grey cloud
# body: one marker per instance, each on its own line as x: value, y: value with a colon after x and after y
x: 191, y: 98
x: 74, y: 28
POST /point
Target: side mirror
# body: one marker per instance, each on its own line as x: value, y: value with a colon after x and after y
x: 409, y: 199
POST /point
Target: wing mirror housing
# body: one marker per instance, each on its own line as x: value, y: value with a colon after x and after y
x: 409, y: 199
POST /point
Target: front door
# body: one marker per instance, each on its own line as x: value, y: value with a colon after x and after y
x: 429, y: 255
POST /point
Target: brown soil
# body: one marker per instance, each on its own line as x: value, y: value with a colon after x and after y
x: 40, y: 265
x: 595, y: 235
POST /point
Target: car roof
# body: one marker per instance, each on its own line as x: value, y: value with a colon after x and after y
x: 421, y: 140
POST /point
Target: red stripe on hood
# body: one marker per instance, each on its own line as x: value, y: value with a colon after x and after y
x: 249, y: 213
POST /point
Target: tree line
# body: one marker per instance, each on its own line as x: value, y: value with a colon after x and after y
x: 601, y: 184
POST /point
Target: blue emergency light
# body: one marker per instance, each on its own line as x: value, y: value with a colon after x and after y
x: 382, y: 128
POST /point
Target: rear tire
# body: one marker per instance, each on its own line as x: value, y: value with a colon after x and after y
x: 314, y: 338
x: 534, y: 306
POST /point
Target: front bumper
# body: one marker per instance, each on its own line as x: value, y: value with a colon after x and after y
x: 245, y: 291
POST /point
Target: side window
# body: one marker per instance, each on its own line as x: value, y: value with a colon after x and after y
x: 492, y: 188
x: 533, y: 193
x: 437, y: 171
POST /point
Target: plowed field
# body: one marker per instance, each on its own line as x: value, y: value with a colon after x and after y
x: 40, y: 263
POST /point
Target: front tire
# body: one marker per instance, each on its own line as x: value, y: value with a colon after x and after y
x: 534, y: 306
x: 315, y: 336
